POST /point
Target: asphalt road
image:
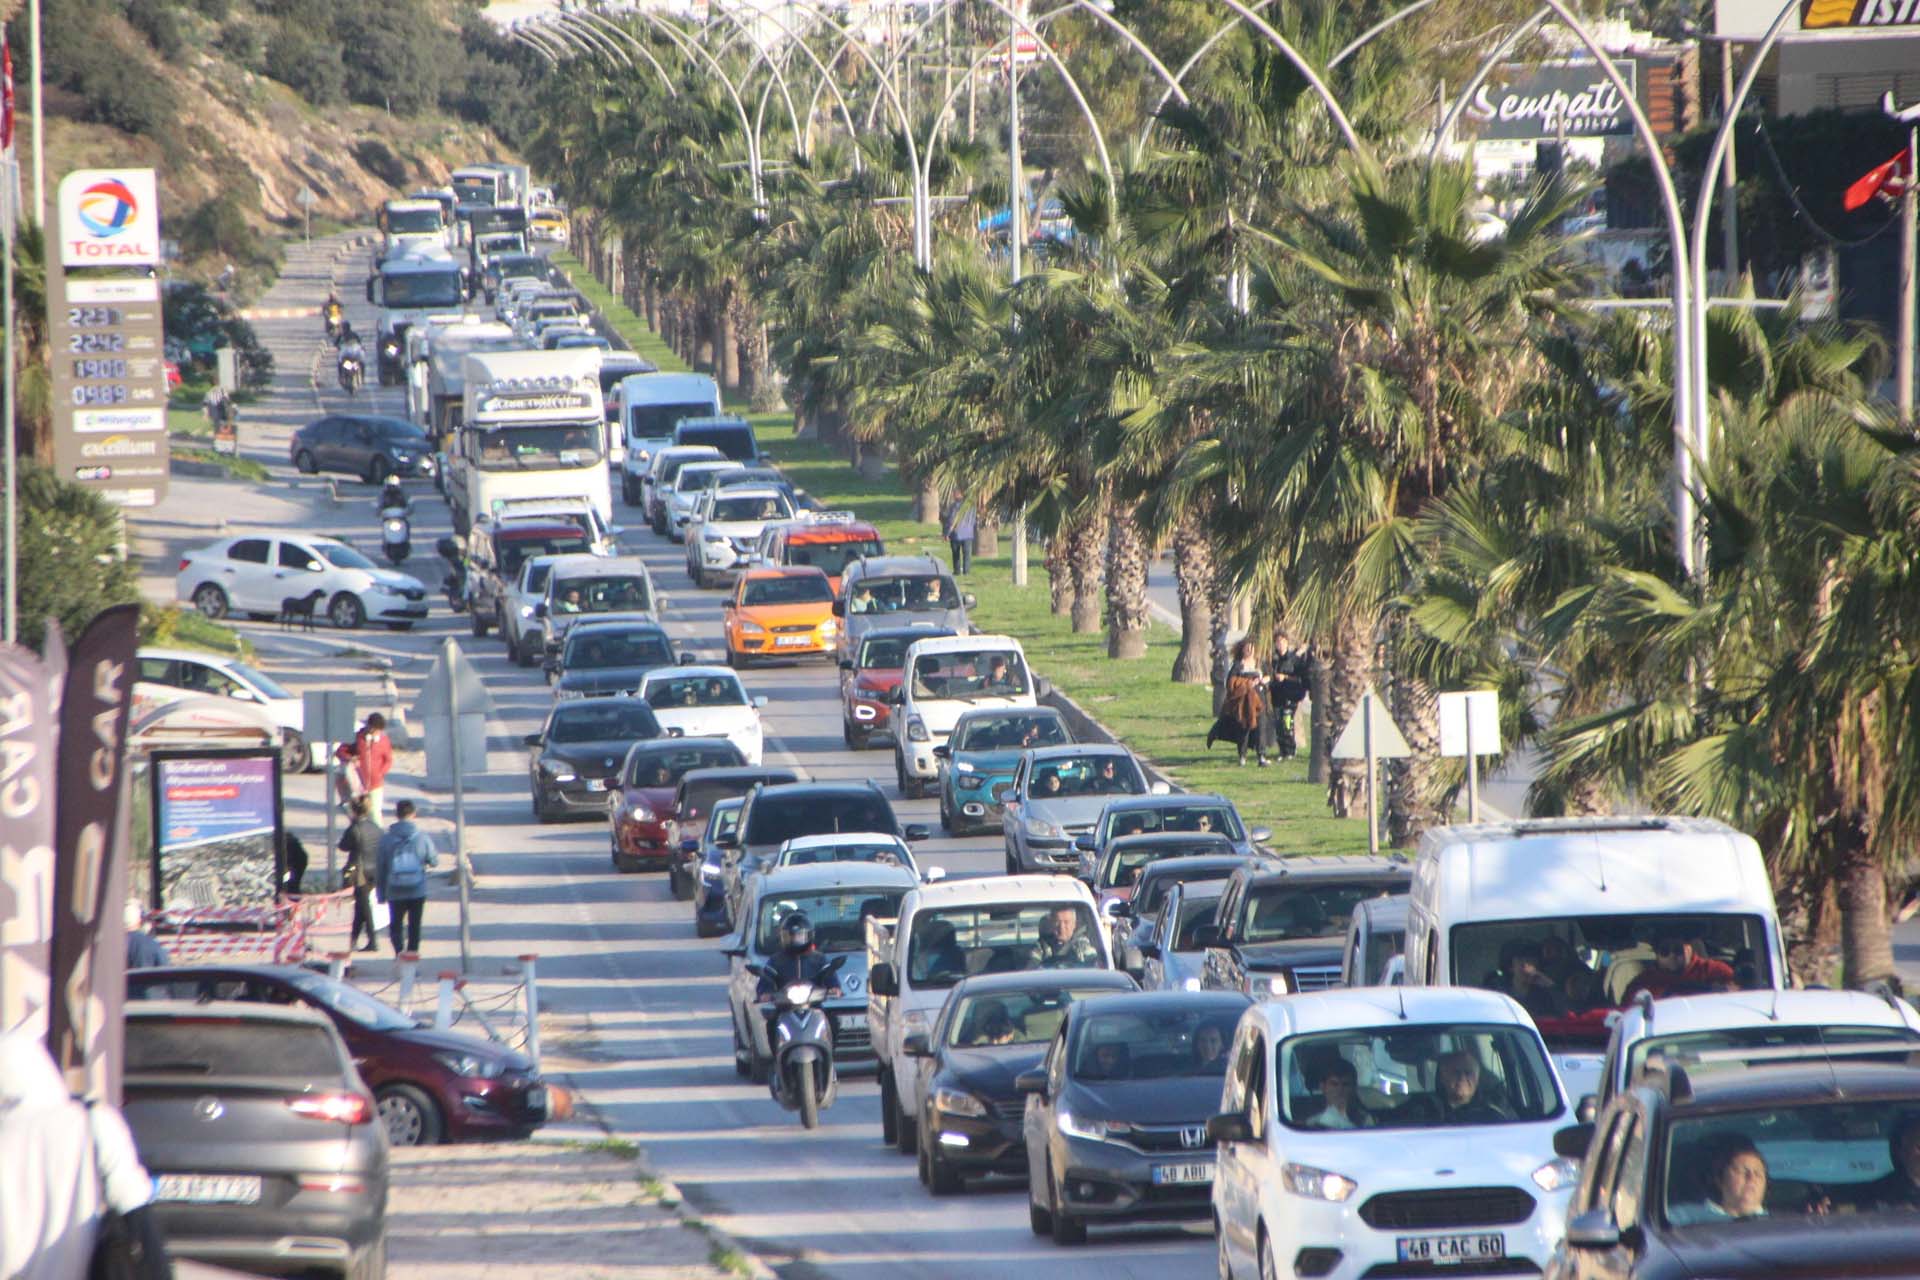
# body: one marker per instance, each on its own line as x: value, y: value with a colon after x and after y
x: 617, y: 949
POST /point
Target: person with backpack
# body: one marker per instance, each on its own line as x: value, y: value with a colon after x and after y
x: 406, y: 855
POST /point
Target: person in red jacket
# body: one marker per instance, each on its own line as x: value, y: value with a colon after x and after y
x: 1677, y: 971
x: 370, y: 756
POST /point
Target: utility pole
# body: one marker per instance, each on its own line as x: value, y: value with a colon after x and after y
x: 1729, y: 178
x: 1909, y: 233
x: 39, y: 117
x: 1016, y: 223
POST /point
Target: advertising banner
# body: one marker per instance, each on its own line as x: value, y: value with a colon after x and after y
x: 1823, y: 15
x: 216, y: 829
x: 1543, y: 101
x: 110, y: 387
x: 96, y: 701
x: 109, y: 218
x: 26, y: 838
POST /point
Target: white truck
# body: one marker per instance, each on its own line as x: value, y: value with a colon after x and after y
x: 952, y: 930
x: 411, y: 222
x: 409, y: 285
x: 530, y: 427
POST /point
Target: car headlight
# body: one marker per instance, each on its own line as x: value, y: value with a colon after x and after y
x: 710, y: 875
x: 1316, y: 1184
x: 526, y: 611
x: 961, y: 766
x: 1190, y: 984
x: 1557, y: 1174
x: 1041, y: 829
x: 1093, y: 1130
x: 916, y: 729
x: 751, y: 628
x: 957, y: 1102
x: 639, y: 813
x: 829, y: 627
x: 471, y: 1065
x: 556, y: 772
x: 1277, y: 984
x: 711, y: 536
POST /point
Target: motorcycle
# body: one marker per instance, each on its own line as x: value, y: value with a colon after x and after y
x: 333, y: 331
x: 353, y: 373
x: 455, y: 583
x: 396, y: 534
x: 802, y: 1078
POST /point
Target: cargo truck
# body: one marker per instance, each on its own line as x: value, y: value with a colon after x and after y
x: 530, y: 426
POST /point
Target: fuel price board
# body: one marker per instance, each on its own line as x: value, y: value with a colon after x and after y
x: 110, y: 387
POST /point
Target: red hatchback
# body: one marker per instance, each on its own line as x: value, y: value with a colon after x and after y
x: 644, y: 813
x: 429, y: 1085
x: 870, y: 676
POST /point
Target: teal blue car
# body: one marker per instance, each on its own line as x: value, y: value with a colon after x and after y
x: 982, y: 753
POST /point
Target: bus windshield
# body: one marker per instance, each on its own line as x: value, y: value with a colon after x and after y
x: 538, y: 446
x: 413, y: 221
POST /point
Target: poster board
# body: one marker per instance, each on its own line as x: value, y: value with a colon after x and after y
x: 217, y: 838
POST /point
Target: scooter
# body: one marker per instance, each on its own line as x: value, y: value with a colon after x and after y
x: 333, y: 331
x: 802, y: 1078
x: 455, y: 583
x: 396, y: 534
x: 353, y: 372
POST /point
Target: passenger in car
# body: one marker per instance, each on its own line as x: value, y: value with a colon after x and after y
x: 1338, y: 1106
x: 1209, y: 1049
x: 991, y: 1024
x: 1460, y: 1096
x: 1109, y: 1062
x: 1680, y: 969
x: 1900, y: 1188
x: 1736, y: 1186
x: 1527, y: 982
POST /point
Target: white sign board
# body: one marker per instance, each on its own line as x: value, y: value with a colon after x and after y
x: 109, y: 218
x: 1478, y: 710
x: 1388, y: 744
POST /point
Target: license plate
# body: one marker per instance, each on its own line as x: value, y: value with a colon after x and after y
x: 537, y: 1098
x: 596, y: 784
x: 1167, y: 1175
x: 209, y: 1188
x: 791, y: 642
x: 1446, y: 1250
x: 852, y: 1021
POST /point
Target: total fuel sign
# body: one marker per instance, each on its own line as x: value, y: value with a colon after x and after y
x: 109, y: 218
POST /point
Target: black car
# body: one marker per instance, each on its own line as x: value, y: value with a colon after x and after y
x: 1141, y: 910
x: 600, y: 659
x: 1805, y: 1168
x: 711, y: 918
x: 263, y: 1142
x: 775, y: 815
x: 1282, y: 924
x: 699, y: 791
x: 573, y: 762
x: 991, y: 1029
x: 1118, y: 1130
x: 363, y: 445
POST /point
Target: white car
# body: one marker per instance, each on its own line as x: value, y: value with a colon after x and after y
x: 706, y: 702
x: 687, y: 486
x: 1389, y: 1131
x: 258, y: 574
x: 851, y: 846
x: 167, y: 675
x: 727, y: 525
x: 524, y: 632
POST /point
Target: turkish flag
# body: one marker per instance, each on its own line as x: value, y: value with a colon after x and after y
x: 1892, y: 173
x: 6, y: 98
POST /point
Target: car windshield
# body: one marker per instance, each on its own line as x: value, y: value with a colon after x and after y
x: 1014, y: 1017
x: 606, y: 647
x: 839, y: 916
x: 966, y: 674
x: 752, y: 507
x: 1213, y: 816
x: 779, y: 819
x: 952, y: 943
x: 1726, y: 1045
x: 1284, y: 911
x: 342, y: 556
x: 795, y: 589
x: 1014, y: 731
x: 1125, y: 865
x: 1148, y: 900
x: 514, y: 552
x: 655, y: 421
x: 670, y: 468
x: 1412, y: 1076
x: 885, y: 851
x: 903, y: 595
x: 350, y: 1002
x: 1828, y: 1160
x: 887, y: 653
x: 602, y: 593
x: 1570, y: 971
x: 600, y: 721
x: 259, y: 680
x: 1101, y: 775
x: 664, y: 766
x: 831, y: 558
x: 1153, y: 1044
x: 694, y: 476
x: 421, y: 289
x: 412, y: 221
x: 695, y: 691
x: 1194, y: 912
x: 543, y: 446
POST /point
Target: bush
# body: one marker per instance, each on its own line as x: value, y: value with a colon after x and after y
x: 218, y: 10
x: 201, y: 322
x: 69, y: 561
x: 397, y: 54
x: 310, y: 67
x: 377, y: 158
x: 240, y: 43
x: 221, y: 225
x: 159, y: 22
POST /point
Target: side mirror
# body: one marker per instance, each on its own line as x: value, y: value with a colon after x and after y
x: 1031, y: 1082
x: 1593, y: 1229
x: 897, y: 696
x: 532, y: 739
x: 1573, y: 1141
x: 943, y: 752
x: 967, y: 601
x: 728, y: 839
x: 846, y: 664
x: 1043, y: 688
x: 689, y: 846
x: 914, y: 832
x: 759, y: 700
x: 839, y: 608
x: 916, y: 1046
x: 1207, y: 935
x: 1260, y: 835
x: 934, y: 875
x: 689, y: 659
x: 1159, y: 789
x: 881, y: 980
x: 1000, y: 790
x: 1133, y: 960
x: 540, y: 609
x: 1085, y: 842
x: 449, y: 548
x: 1229, y: 1128
x: 1588, y: 1107
x: 1122, y: 910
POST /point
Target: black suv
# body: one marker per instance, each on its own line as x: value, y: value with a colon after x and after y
x: 776, y: 814
x: 1805, y: 1168
x: 363, y: 445
x: 1281, y: 927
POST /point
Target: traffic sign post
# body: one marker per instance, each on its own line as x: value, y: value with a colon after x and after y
x: 1372, y: 736
x: 306, y: 200
x: 1470, y: 727
x: 329, y: 719
x: 452, y: 712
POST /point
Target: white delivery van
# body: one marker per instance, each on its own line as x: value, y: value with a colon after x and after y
x: 649, y: 404
x: 1574, y: 917
x: 946, y: 677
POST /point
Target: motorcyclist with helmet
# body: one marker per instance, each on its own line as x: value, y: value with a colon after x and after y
x: 335, y: 315
x: 798, y: 960
x: 394, y: 499
x: 350, y: 349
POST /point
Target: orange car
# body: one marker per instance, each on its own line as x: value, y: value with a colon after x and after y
x: 780, y: 612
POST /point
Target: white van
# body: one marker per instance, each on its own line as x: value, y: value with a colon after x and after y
x: 1567, y: 915
x: 946, y: 677
x: 649, y: 405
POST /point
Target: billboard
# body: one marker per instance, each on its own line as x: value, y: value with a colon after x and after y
x: 109, y: 218
x: 216, y: 829
x: 1822, y: 15
x: 1539, y: 102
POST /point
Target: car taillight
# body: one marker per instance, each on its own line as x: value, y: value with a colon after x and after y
x: 341, y: 1108
x: 332, y: 1183
x: 184, y: 562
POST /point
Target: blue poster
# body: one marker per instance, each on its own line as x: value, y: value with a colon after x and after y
x: 217, y: 834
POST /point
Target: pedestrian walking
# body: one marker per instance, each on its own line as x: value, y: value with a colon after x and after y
x: 361, y: 844
x: 65, y: 1164
x: 143, y: 949
x: 406, y: 855
x: 296, y: 865
x: 1240, y: 712
x: 369, y: 758
x: 961, y: 526
x: 218, y: 406
x: 1287, y: 688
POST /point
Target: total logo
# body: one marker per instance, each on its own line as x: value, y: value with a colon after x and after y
x: 107, y: 208
x: 109, y: 217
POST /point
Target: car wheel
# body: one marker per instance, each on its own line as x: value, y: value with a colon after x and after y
x: 889, y: 1111
x: 378, y: 470
x: 1067, y: 1228
x: 1269, y: 1270
x: 479, y: 622
x: 399, y: 626
x: 626, y: 491
x: 346, y: 612
x: 742, y: 1056
x: 906, y: 1133
x: 682, y: 887
x: 293, y: 752
x: 936, y: 1175
x: 210, y: 600
x: 1223, y: 1261
x: 524, y: 655
x: 410, y: 1116
x: 1038, y: 1218
x: 946, y: 818
x: 304, y: 463
x: 1013, y: 862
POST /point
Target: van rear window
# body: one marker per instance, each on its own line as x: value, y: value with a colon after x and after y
x: 735, y: 442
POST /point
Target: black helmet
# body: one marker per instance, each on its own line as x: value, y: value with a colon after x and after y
x: 796, y: 933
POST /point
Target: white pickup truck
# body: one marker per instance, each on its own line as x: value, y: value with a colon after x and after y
x: 953, y: 930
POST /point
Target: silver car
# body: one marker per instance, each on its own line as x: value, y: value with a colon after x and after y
x: 1056, y: 795
x: 898, y: 591
x: 688, y: 486
x: 525, y: 633
x: 1170, y: 959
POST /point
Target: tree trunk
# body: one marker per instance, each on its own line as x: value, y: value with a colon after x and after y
x: 1866, y: 942
x: 926, y: 502
x: 1059, y: 575
x: 986, y: 533
x: 766, y: 383
x: 1086, y: 556
x: 1350, y: 671
x: 1193, y: 578
x: 1319, y: 737
x: 726, y: 347
x: 1127, y: 617
x: 1220, y: 609
x: 650, y: 296
x: 1413, y: 782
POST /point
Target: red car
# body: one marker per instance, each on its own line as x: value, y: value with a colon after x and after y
x: 643, y: 816
x: 429, y: 1085
x: 870, y: 676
